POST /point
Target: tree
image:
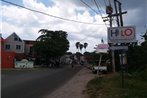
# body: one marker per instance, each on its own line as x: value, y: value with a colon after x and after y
x: 102, y: 41
x: 77, y: 45
x: 145, y: 36
x: 85, y: 46
x: 137, y: 55
x: 51, y: 44
x: 81, y: 47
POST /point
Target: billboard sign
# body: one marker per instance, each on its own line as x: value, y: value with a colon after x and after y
x: 102, y: 48
x: 121, y: 34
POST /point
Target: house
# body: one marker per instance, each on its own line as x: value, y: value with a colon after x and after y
x: 29, y: 48
x: 14, y: 48
x: 14, y: 43
x: 1, y: 42
x: 6, y: 58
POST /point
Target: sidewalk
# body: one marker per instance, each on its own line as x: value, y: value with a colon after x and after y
x: 74, y: 87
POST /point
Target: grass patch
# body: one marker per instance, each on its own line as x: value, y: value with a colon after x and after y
x: 110, y: 86
x: 93, y: 86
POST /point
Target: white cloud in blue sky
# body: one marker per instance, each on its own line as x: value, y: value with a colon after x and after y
x: 26, y: 23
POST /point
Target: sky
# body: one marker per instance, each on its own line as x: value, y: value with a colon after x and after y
x: 26, y: 24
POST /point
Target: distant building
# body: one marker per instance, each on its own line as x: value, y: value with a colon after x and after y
x: 14, y: 43
x: 1, y: 43
x: 29, y: 47
x: 6, y: 58
x: 14, y: 48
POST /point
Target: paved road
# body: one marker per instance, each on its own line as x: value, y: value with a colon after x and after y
x: 35, y: 83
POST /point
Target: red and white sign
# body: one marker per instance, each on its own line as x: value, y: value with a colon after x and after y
x: 121, y: 34
x: 102, y: 48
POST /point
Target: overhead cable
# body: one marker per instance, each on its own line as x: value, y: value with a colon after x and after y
x: 89, y: 6
x: 49, y: 14
x: 98, y: 7
x: 94, y: 10
x: 105, y: 3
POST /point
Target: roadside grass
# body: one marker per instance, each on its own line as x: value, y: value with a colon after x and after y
x: 110, y: 86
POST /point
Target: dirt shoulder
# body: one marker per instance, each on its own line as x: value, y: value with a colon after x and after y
x: 75, y: 87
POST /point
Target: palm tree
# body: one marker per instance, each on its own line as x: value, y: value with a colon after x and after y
x: 77, y: 45
x: 102, y: 41
x: 145, y: 36
x: 81, y: 47
x: 85, y: 46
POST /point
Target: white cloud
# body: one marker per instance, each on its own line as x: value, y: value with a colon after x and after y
x: 26, y: 23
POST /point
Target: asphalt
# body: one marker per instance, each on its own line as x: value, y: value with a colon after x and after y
x: 34, y: 83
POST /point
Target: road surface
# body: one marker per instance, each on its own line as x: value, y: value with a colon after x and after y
x: 35, y: 83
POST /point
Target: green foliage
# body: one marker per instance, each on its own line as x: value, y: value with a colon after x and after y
x: 81, y: 46
x: 77, y: 45
x: 141, y: 75
x: 137, y: 56
x: 85, y: 45
x: 51, y: 44
x: 95, y: 57
x: 110, y: 86
x: 93, y: 86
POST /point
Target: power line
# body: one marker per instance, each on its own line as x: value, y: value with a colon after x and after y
x: 102, y: 8
x: 48, y: 14
x: 89, y: 6
x: 105, y: 3
x: 94, y: 10
x: 98, y: 7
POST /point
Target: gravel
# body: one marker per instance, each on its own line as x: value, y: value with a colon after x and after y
x: 75, y: 87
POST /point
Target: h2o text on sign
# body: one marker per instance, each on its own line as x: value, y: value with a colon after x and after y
x: 121, y: 34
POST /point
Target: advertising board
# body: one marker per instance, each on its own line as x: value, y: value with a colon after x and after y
x: 121, y: 34
x: 102, y: 48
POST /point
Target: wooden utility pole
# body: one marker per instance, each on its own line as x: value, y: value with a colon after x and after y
x: 116, y: 11
x: 118, y: 14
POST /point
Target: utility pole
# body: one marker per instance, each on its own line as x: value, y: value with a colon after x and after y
x: 116, y: 11
x: 118, y: 14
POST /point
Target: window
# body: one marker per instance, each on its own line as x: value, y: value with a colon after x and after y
x: 7, y: 46
x: 31, y: 50
x: 18, y: 47
x: 15, y: 39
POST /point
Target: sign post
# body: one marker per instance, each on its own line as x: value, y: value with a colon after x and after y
x: 101, y: 48
x: 125, y: 34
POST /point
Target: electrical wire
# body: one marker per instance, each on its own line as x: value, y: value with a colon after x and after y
x: 105, y: 3
x: 102, y: 8
x: 49, y: 14
x: 89, y: 6
x: 98, y: 7
x: 94, y: 10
